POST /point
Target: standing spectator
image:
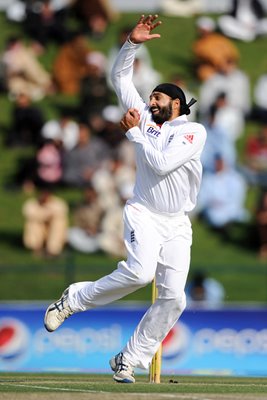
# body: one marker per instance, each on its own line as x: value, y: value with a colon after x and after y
x: 211, y: 49
x: 46, y: 221
x: 246, y: 21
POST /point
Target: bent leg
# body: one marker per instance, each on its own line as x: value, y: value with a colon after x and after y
x: 34, y: 235
x: 141, y: 235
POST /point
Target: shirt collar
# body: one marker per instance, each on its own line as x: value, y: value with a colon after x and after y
x: 178, y: 121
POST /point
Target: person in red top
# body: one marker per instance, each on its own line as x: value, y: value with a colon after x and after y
x: 256, y: 158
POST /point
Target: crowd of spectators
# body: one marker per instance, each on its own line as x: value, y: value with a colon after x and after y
x: 87, y: 150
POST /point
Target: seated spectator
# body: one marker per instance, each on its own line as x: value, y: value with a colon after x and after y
x: 211, y: 50
x: 181, y: 8
x: 94, y: 93
x: 111, y: 131
x: 230, y: 80
x: 261, y: 223
x: 26, y: 123
x: 180, y: 81
x: 43, y: 169
x: 255, y: 167
x: 96, y: 15
x: 49, y: 170
x: 23, y: 71
x: 64, y: 129
x: 45, y: 226
x: 229, y: 118
x: 45, y: 23
x: 84, y: 233
x: 97, y: 227
x: 202, y: 288
x: 81, y: 162
x: 221, y: 200
x: 246, y: 21
x: 217, y: 142
x: 111, y: 236
x: 16, y: 9
x: 72, y: 64
x: 259, y: 111
x: 105, y: 185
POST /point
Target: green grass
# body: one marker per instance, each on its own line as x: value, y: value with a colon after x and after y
x: 230, y: 387
x: 234, y: 263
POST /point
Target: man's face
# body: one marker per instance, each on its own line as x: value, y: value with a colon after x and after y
x: 160, y: 106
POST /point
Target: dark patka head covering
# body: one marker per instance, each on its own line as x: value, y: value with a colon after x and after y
x: 175, y: 92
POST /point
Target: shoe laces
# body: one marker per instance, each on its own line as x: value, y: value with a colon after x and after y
x: 122, y: 365
x: 64, y: 311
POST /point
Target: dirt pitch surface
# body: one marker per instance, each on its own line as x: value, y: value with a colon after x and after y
x: 101, y: 387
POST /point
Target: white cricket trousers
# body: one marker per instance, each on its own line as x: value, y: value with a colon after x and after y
x: 157, y: 245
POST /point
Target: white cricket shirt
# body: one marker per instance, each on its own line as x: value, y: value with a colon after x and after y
x: 169, y: 170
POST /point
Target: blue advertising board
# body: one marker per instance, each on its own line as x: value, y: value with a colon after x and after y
x: 227, y: 341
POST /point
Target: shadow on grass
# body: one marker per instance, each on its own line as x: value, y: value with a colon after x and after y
x: 241, y: 235
x: 11, y: 239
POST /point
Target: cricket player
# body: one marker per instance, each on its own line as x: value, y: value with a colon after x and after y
x: 157, y: 229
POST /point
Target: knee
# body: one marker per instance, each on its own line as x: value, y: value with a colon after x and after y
x: 181, y: 303
x: 143, y: 280
x: 177, y: 303
x: 136, y: 276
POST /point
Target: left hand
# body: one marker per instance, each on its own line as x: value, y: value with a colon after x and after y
x: 142, y: 31
x: 130, y: 119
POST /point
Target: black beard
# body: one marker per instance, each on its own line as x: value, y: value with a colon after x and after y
x: 163, y: 115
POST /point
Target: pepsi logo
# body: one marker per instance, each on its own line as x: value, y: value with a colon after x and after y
x: 176, y: 343
x: 14, y: 339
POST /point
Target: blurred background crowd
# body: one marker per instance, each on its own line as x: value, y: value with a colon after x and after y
x: 84, y: 148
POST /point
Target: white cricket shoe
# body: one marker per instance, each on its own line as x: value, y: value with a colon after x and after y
x: 57, y: 312
x: 124, y: 372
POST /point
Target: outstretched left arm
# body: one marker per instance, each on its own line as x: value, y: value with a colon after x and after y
x: 122, y: 70
x: 142, y: 31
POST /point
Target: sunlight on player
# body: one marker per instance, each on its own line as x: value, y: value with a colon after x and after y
x: 157, y: 230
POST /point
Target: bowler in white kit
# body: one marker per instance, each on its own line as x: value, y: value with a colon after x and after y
x: 157, y: 229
